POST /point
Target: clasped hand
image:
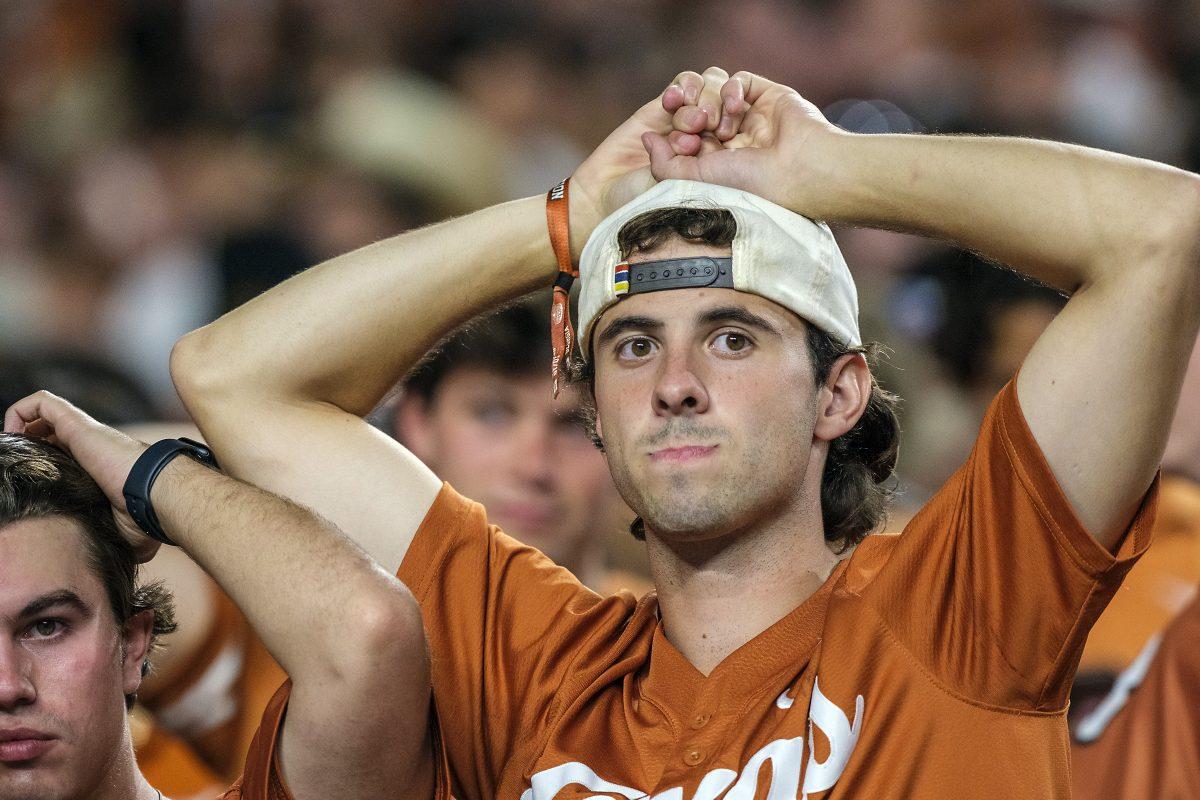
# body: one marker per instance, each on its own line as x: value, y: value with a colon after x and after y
x: 742, y: 131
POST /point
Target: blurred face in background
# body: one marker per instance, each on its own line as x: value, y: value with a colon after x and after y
x: 65, y: 667
x: 501, y: 440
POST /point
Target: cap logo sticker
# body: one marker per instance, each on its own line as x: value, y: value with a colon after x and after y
x: 621, y: 278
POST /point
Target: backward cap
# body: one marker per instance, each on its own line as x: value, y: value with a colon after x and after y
x: 778, y: 254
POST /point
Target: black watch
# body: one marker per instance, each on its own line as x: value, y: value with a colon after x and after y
x: 145, y: 470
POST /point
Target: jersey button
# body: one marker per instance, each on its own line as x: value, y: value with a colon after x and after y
x: 700, y: 720
x: 693, y: 757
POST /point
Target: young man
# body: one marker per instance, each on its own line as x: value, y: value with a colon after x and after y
x: 741, y: 422
x: 77, y: 630
x: 478, y: 414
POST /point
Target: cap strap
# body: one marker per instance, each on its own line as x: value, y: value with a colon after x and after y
x: 562, y: 333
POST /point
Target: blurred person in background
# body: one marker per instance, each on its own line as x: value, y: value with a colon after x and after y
x: 197, y: 712
x: 1136, y: 732
x: 478, y: 413
x: 357, y: 701
x: 977, y: 321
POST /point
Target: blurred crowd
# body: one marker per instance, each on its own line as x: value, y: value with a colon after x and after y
x: 163, y: 162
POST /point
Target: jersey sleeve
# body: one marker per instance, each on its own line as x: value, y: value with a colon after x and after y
x: 995, y: 583
x: 263, y: 778
x: 506, y: 628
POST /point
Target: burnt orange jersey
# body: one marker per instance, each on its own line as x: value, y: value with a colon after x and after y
x: 262, y: 778
x: 170, y: 764
x: 931, y: 664
x: 1143, y: 741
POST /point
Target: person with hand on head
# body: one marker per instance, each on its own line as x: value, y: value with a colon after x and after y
x: 739, y: 417
x: 352, y: 721
x: 78, y: 630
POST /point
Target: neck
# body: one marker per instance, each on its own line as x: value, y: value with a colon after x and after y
x: 123, y: 780
x: 718, y: 594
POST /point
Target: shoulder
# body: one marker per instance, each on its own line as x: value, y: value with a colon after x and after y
x: 868, y: 559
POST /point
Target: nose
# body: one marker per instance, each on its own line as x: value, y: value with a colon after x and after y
x: 16, y: 678
x: 534, y: 453
x: 679, y: 391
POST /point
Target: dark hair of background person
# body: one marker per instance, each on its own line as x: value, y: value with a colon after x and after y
x: 857, y: 485
x: 38, y: 481
x: 514, y: 341
x: 108, y: 394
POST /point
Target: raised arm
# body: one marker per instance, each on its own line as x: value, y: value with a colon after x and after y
x: 348, y: 634
x: 279, y: 386
x: 1121, y: 234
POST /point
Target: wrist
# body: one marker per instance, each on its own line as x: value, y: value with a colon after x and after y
x: 159, y: 464
x: 584, y: 217
x: 824, y: 190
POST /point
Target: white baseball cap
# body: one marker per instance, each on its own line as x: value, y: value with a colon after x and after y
x: 783, y: 256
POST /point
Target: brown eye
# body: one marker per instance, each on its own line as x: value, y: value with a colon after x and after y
x: 732, y: 342
x: 635, y: 349
x: 46, y: 627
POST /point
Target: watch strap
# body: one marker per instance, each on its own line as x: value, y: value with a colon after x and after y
x: 146, y: 470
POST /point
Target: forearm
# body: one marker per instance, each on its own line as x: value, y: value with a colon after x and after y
x: 346, y: 331
x: 315, y: 599
x: 1063, y: 214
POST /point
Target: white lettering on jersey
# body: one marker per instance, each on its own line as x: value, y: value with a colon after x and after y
x: 549, y: 782
x: 1091, y: 726
x: 783, y: 701
x: 785, y: 756
x: 842, y: 736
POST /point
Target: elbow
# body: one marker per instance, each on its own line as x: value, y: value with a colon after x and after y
x: 383, y: 645
x: 1186, y: 240
x: 195, y: 370
x: 1166, y: 254
x: 1180, y: 229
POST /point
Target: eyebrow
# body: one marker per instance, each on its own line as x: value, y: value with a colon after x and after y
x: 619, y: 326
x: 63, y: 597
x: 736, y: 314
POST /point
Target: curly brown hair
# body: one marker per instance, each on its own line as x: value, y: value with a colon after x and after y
x: 858, y: 484
x: 38, y: 480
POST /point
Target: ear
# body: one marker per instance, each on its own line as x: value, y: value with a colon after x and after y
x: 137, y: 636
x: 843, y: 398
x: 412, y: 426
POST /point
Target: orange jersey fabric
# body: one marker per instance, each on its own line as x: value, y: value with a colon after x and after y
x: 262, y: 778
x: 169, y: 763
x: 931, y: 664
x: 1143, y: 741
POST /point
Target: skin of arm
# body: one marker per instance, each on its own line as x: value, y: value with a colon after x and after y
x: 279, y: 386
x: 1120, y: 234
x: 187, y: 582
x: 349, y: 634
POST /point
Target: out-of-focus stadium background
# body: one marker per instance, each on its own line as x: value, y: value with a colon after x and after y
x: 161, y: 162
